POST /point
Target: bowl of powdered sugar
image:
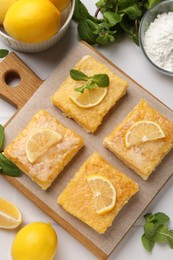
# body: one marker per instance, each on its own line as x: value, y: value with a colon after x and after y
x: 156, y: 36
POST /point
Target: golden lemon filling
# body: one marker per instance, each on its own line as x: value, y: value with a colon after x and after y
x: 97, y: 192
x: 142, y: 139
x: 43, y: 148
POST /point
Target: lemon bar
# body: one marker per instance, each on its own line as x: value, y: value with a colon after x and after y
x: 89, y: 118
x: 77, y: 197
x: 51, y: 162
x: 145, y: 156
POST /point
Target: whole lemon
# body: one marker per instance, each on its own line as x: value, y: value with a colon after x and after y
x: 35, y: 241
x: 5, y: 4
x: 60, y: 4
x: 32, y: 21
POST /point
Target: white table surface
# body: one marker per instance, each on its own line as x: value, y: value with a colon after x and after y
x: 127, y: 56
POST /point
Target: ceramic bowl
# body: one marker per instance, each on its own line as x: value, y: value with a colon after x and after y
x: 41, y: 46
x: 148, y: 18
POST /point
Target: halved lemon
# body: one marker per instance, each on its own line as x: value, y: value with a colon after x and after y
x: 143, y: 131
x: 104, y: 193
x: 39, y: 142
x: 89, y: 98
x: 10, y: 216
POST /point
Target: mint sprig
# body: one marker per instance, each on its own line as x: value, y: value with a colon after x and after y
x: 156, y: 231
x: 100, y: 80
x: 6, y: 167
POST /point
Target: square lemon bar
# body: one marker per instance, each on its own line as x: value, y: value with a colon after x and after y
x: 43, y: 148
x: 91, y: 117
x: 142, y: 157
x: 77, y: 198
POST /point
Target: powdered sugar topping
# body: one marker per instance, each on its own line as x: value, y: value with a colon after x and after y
x: 158, y: 41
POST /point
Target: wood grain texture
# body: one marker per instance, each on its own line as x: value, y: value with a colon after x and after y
x: 100, y: 245
x: 12, y: 65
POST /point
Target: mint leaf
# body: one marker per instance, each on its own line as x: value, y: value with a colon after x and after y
x: 1, y: 137
x: 88, y: 85
x: 147, y: 243
x: 91, y: 85
x: 81, y: 89
x: 93, y: 26
x: 8, y: 168
x: 170, y: 238
x: 149, y: 217
x: 85, y: 31
x: 102, y: 80
x: 78, y: 75
x: 161, y: 234
x: 151, y: 3
x: 162, y: 218
x: 80, y: 11
x: 133, y: 11
x: 150, y: 229
x: 103, y: 39
x: 3, y: 53
x: 111, y: 18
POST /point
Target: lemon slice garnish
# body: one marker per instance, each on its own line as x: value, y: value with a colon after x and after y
x: 89, y: 98
x: 143, y: 131
x: 104, y: 193
x: 39, y: 142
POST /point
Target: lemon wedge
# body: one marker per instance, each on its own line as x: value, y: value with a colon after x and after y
x: 10, y: 216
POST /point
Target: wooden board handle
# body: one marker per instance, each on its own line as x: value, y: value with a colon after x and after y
x: 13, y: 66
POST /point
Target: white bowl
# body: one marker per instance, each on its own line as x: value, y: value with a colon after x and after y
x: 41, y: 46
x: 149, y: 17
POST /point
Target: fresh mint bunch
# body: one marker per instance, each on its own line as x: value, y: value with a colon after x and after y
x: 6, y: 167
x: 156, y: 231
x: 100, y: 80
x: 118, y: 17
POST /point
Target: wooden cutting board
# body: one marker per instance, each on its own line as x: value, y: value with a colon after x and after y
x: 100, y: 245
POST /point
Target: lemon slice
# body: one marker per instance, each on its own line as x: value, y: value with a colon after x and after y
x: 39, y: 142
x: 104, y: 193
x: 89, y: 98
x: 143, y: 131
x: 10, y: 216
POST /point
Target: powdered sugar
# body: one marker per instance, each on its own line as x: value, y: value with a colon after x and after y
x: 158, y: 41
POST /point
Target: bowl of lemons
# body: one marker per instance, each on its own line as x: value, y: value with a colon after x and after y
x: 34, y: 25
